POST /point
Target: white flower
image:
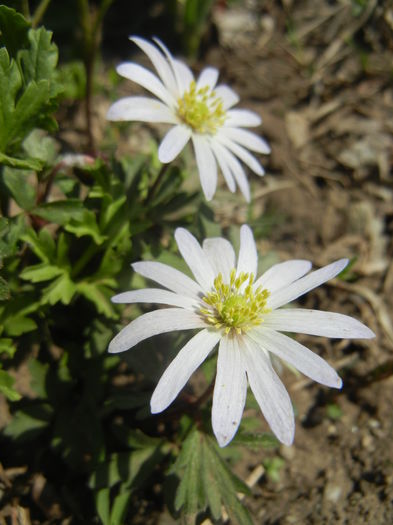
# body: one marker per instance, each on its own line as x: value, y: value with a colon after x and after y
x: 198, y: 110
x: 244, y: 316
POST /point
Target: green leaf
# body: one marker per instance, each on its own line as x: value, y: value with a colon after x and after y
x: 6, y: 386
x: 4, y: 290
x: 99, y: 295
x: 13, y: 30
x: 60, y: 212
x: 41, y: 272
x: 18, y: 325
x: 38, y: 372
x: 19, y: 187
x: 39, y: 61
x: 103, y: 504
x: 42, y: 244
x: 61, y: 290
x: 40, y: 147
x: 7, y: 346
x: 85, y: 224
x: 13, y: 162
x: 119, y: 508
x: 28, y: 423
x: 207, y: 481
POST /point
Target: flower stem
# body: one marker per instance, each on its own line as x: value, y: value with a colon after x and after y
x: 39, y: 12
x: 156, y: 183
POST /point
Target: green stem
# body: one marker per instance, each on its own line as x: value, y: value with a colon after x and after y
x: 39, y: 12
x: 156, y: 183
x: 25, y: 9
x: 84, y: 259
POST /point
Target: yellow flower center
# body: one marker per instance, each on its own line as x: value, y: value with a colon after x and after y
x: 235, y: 306
x: 201, y: 109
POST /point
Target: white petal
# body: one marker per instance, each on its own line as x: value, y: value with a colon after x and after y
x: 242, y: 153
x: 297, y: 355
x: 169, y: 277
x: 227, y: 95
x: 242, y: 117
x: 230, y: 391
x: 316, y: 322
x: 185, y: 74
x: 155, y: 295
x: 225, y: 169
x: 269, y: 392
x: 146, y: 79
x: 247, y: 139
x: 177, y: 71
x: 248, y: 257
x: 208, y: 77
x: 195, y: 258
x: 159, y: 62
x: 154, y: 323
x: 142, y: 109
x: 305, y: 284
x: 221, y: 256
x: 190, y: 357
x: 283, y: 274
x: 207, y: 166
x: 236, y: 169
x: 173, y: 143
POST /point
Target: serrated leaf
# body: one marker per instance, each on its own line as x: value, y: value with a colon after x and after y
x: 190, y: 494
x: 4, y: 290
x: 99, y: 295
x: 60, y: 212
x: 18, y: 325
x: 42, y: 244
x: 85, y: 224
x: 13, y: 30
x: 26, y: 424
x: 7, y: 346
x: 18, y: 185
x: 61, y: 290
x: 13, y: 162
x: 39, y: 61
x: 6, y: 386
x: 41, y: 272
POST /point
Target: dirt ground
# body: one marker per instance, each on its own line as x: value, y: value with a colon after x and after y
x: 321, y: 79
x: 319, y: 73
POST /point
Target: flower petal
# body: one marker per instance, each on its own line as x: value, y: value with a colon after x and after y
x: 297, y: 355
x: 148, y: 80
x: 283, y: 274
x: 190, y: 357
x: 227, y: 95
x: 269, y: 392
x: 142, y: 109
x: 169, y: 277
x: 241, y: 152
x: 185, y: 74
x: 178, y: 72
x: 230, y: 391
x: 248, y: 257
x: 224, y: 167
x: 247, y: 139
x: 242, y: 117
x: 207, y: 166
x: 208, y: 77
x: 236, y: 169
x: 316, y: 322
x: 154, y: 323
x: 221, y: 256
x: 173, y: 143
x: 155, y: 295
x: 159, y: 62
x: 195, y: 258
x: 305, y: 284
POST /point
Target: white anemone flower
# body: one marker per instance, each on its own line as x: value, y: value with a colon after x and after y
x: 243, y: 315
x: 197, y: 110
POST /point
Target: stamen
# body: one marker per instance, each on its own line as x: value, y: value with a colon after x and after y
x: 235, y: 306
x: 201, y: 109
